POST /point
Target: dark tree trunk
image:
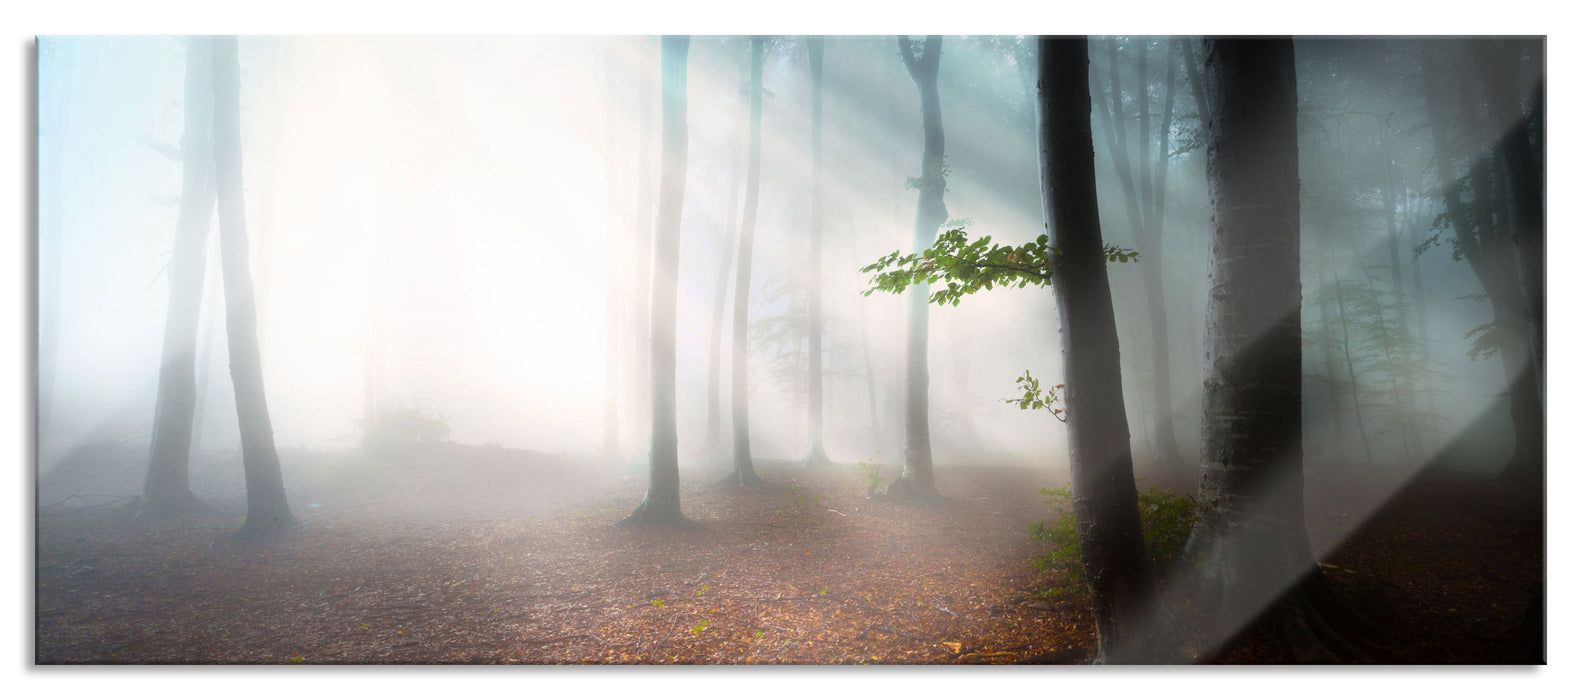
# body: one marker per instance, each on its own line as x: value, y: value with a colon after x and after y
x: 742, y: 472
x: 1499, y: 62
x: 268, y: 514
x: 662, y: 504
x: 1108, y: 525
x: 711, y: 439
x: 167, y: 489
x: 815, y: 304
x: 916, y: 483
x: 1253, y: 539
x: 1492, y: 262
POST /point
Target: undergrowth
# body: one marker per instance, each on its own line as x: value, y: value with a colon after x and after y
x: 1167, y: 522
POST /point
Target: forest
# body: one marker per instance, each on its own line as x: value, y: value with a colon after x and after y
x: 818, y: 350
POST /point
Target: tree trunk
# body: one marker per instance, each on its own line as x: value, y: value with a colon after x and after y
x: 1147, y: 231
x: 711, y: 439
x: 742, y: 472
x: 1493, y: 264
x: 867, y: 362
x: 1411, y: 435
x: 1109, y: 527
x: 1499, y: 61
x: 815, y: 304
x: 916, y: 483
x: 268, y: 514
x: 642, y: 278
x: 662, y: 504
x: 815, y: 268
x: 167, y: 490
x: 1257, y: 557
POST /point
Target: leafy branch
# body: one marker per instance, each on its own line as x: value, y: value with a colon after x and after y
x: 967, y: 266
x: 1034, y: 399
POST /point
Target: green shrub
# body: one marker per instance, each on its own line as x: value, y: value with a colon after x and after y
x: 1167, y: 522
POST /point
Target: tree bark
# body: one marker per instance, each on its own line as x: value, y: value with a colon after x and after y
x: 916, y: 483
x: 1253, y: 538
x: 642, y: 279
x: 711, y: 439
x: 742, y: 472
x: 1498, y: 61
x: 815, y: 305
x: 268, y: 514
x: 1109, y: 527
x: 167, y: 489
x: 662, y: 505
x: 1493, y: 263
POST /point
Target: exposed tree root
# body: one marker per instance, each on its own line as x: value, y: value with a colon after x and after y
x: 1317, y: 625
x: 911, y: 491
x: 816, y: 458
x: 265, y: 529
x: 649, y: 517
x: 743, y: 477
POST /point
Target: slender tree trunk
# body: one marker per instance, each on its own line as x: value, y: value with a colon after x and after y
x: 1147, y: 231
x: 1254, y: 537
x: 742, y: 472
x: 644, y: 234
x: 1331, y: 373
x: 916, y: 483
x: 167, y: 489
x: 662, y: 504
x: 1109, y: 527
x: 867, y: 363
x: 1411, y: 436
x: 1168, y: 451
x: 815, y: 304
x: 711, y: 440
x: 268, y: 514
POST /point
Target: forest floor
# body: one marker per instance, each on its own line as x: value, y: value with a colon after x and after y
x: 519, y: 563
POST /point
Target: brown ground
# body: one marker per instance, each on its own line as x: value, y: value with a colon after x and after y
x: 804, y: 570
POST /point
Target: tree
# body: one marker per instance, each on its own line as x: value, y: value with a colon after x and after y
x: 643, y: 235
x: 167, y: 490
x: 1109, y: 526
x: 916, y: 483
x: 662, y: 504
x: 711, y: 439
x: 268, y: 513
x: 1145, y: 211
x: 1498, y: 61
x: 1110, y: 531
x: 742, y: 455
x: 815, y: 314
x: 1257, y: 562
x: 1478, y: 237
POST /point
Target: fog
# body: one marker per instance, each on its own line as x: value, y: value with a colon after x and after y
x: 439, y: 224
